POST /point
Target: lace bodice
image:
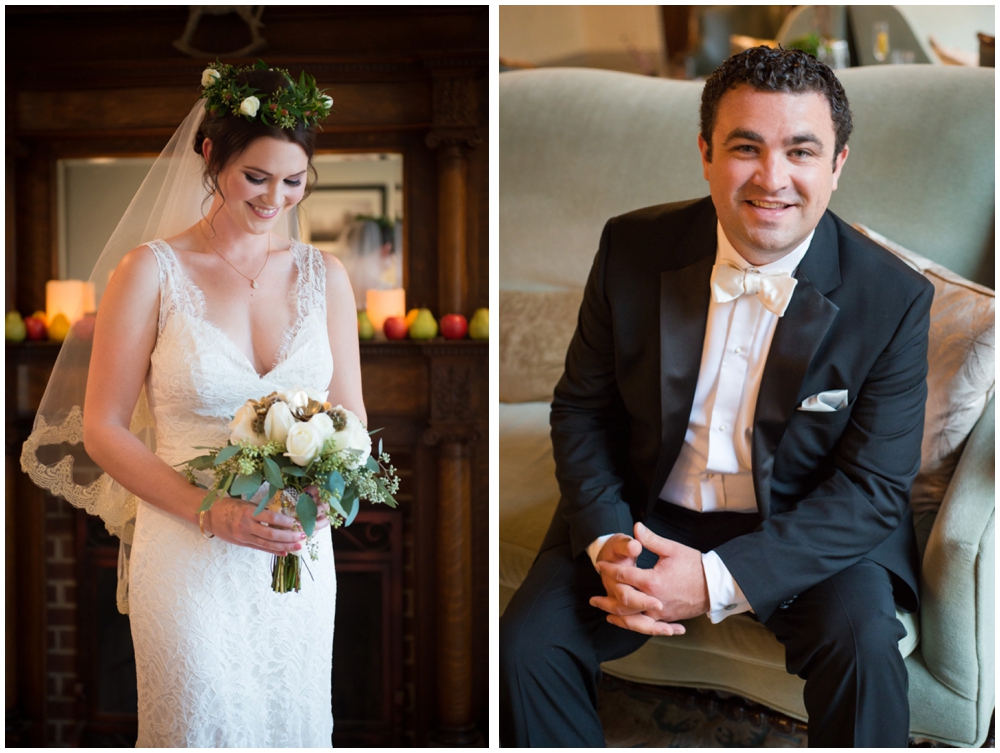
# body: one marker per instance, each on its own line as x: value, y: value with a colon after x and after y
x: 198, y: 377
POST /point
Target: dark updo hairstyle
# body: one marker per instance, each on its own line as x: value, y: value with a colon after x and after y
x: 232, y: 134
x: 776, y: 70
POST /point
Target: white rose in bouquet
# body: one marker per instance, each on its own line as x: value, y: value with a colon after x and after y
x: 242, y: 427
x: 354, y: 436
x: 278, y: 422
x: 304, y: 442
x: 324, y: 424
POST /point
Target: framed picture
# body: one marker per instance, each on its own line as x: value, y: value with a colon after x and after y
x: 329, y: 208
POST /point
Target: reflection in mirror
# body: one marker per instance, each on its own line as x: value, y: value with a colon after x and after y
x: 92, y: 196
x: 355, y: 212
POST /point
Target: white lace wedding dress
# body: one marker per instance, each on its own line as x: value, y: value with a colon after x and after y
x: 221, y: 659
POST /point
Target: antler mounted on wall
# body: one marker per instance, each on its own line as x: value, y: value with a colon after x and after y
x: 250, y: 14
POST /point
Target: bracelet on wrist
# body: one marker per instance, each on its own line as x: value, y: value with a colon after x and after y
x: 201, y: 525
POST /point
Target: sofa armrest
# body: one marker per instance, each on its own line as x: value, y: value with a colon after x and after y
x: 957, y: 589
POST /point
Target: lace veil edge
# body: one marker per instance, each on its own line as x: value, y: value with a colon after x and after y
x: 104, y: 497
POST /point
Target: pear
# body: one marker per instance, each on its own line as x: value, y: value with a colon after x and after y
x: 479, y: 326
x: 14, y: 329
x: 424, y: 326
x: 366, y: 330
x: 59, y: 328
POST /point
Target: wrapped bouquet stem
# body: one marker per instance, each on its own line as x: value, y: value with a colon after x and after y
x: 294, y: 453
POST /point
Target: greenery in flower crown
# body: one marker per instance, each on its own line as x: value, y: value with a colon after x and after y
x: 282, y: 109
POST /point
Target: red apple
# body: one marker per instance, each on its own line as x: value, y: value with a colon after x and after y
x: 35, y: 328
x: 395, y: 327
x: 454, y: 326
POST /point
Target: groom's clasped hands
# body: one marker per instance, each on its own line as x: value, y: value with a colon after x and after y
x: 650, y: 601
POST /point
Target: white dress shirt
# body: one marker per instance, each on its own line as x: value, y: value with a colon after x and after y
x: 713, y: 469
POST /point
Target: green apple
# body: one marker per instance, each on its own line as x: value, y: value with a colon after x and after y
x: 479, y: 326
x: 366, y: 330
x: 424, y: 326
x: 14, y: 330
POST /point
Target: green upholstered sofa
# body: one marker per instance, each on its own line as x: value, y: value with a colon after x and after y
x: 580, y: 146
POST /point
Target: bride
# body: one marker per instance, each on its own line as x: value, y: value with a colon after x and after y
x: 191, y: 326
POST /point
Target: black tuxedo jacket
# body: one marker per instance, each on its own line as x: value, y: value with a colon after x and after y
x: 832, y: 488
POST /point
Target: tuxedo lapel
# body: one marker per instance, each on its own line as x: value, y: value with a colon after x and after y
x: 684, y: 299
x: 796, y: 338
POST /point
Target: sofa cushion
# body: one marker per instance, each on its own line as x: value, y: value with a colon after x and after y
x: 535, y: 330
x: 528, y: 490
x: 961, y: 377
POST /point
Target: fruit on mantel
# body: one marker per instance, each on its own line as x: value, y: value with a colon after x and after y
x: 59, y: 328
x: 424, y: 327
x: 366, y: 330
x: 454, y: 326
x: 36, y: 328
x: 394, y: 327
x: 14, y: 330
x: 84, y: 327
x: 410, y: 316
x: 479, y: 327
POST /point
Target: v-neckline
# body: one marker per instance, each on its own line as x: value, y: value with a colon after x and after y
x: 287, y: 334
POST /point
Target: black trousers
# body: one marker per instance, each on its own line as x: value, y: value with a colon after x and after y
x: 840, y: 636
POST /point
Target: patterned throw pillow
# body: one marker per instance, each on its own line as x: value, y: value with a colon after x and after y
x: 961, y: 377
x: 535, y: 330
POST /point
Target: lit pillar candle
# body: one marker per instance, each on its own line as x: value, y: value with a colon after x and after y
x: 384, y: 303
x: 71, y: 298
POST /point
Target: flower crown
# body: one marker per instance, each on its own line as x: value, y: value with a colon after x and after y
x: 283, y: 108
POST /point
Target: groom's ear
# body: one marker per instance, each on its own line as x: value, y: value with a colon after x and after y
x: 706, y: 154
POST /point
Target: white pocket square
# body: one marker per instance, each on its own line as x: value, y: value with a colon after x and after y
x: 825, y: 402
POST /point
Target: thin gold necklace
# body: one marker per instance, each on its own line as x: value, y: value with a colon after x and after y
x: 251, y: 280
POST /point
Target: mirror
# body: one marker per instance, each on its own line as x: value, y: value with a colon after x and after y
x: 355, y: 212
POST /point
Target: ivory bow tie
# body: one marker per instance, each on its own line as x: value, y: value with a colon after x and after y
x: 774, y: 291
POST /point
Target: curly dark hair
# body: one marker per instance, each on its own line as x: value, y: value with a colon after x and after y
x: 231, y: 135
x: 776, y: 70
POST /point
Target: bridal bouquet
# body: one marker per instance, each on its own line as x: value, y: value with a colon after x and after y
x: 316, y: 459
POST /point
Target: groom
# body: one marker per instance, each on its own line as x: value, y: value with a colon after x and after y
x: 736, y: 430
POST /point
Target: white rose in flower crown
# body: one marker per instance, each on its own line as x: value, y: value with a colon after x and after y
x: 354, y: 436
x: 242, y: 427
x: 304, y: 442
x: 299, y: 397
x: 209, y: 76
x: 249, y: 106
x: 279, y: 420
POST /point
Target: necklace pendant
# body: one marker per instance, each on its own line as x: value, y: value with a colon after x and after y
x: 253, y: 284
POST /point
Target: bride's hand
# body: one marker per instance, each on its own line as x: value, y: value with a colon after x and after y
x: 233, y: 520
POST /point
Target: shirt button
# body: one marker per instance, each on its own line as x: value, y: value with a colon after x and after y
x: 737, y: 349
x: 722, y: 428
x: 730, y: 607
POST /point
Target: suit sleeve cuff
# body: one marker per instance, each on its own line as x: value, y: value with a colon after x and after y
x: 595, y: 547
x: 724, y: 594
